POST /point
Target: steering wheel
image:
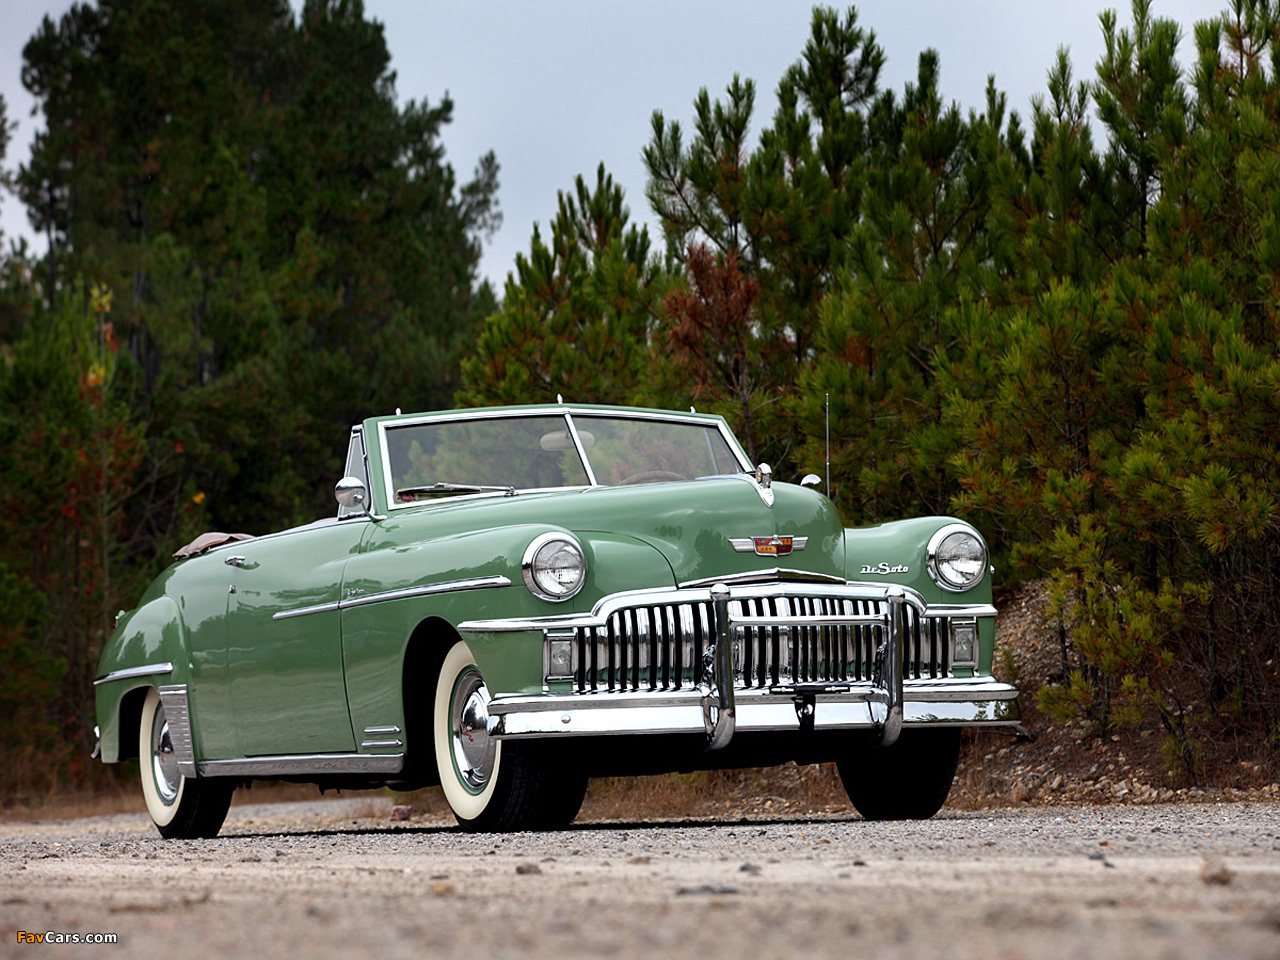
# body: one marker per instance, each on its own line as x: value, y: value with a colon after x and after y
x: 651, y: 476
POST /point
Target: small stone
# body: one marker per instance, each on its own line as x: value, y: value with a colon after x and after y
x: 1215, y: 872
x: 749, y: 868
x: 443, y: 888
x: 401, y: 811
x: 527, y: 868
x: 640, y: 861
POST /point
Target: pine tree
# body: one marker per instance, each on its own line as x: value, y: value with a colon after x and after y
x: 577, y: 312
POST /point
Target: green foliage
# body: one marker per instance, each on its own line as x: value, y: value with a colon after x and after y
x: 1127, y: 447
x: 252, y: 245
x: 576, y: 314
x: 273, y: 224
x: 73, y: 467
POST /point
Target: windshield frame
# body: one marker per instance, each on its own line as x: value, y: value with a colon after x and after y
x: 567, y: 412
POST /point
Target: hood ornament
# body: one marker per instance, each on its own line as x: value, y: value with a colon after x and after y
x: 774, y: 546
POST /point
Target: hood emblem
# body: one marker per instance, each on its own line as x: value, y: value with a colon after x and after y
x: 769, y: 546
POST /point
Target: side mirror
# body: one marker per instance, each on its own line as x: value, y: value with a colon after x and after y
x: 350, y: 492
x: 811, y: 480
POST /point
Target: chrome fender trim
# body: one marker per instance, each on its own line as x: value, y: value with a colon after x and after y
x: 148, y: 670
x: 177, y: 712
x: 426, y: 590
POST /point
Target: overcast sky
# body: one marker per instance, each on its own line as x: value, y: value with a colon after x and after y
x: 556, y: 87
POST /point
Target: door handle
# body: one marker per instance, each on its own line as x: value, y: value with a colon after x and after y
x: 234, y: 561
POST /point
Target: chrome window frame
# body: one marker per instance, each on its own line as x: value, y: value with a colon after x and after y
x: 567, y: 412
x: 357, y: 438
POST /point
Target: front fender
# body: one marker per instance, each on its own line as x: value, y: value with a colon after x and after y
x: 897, y: 552
x: 147, y: 649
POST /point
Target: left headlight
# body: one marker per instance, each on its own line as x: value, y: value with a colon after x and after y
x: 957, y: 557
x: 554, y: 567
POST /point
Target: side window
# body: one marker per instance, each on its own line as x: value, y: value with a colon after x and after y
x: 358, y: 468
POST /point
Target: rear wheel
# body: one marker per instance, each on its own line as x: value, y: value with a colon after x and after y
x: 181, y: 807
x: 907, y: 781
x: 490, y: 785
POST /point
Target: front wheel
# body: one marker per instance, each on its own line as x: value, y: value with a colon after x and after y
x: 490, y: 785
x: 907, y: 781
x: 181, y: 807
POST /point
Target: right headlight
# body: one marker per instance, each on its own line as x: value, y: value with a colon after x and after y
x: 554, y: 567
x: 957, y: 557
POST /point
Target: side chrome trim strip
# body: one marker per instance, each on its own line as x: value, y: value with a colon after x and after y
x: 176, y: 711
x: 304, y: 611
x: 151, y: 670
x: 428, y: 589
x: 378, y: 744
x: 323, y: 763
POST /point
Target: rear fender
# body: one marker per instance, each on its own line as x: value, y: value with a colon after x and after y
x: 148, y: 649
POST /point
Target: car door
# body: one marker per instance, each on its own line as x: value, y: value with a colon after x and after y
x: 284, y: 640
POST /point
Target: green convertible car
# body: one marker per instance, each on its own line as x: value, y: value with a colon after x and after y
x: 512, y: 600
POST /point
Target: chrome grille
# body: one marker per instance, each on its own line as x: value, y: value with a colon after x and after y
x: 661, y: 646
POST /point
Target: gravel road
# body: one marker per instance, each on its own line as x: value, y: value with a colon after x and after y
x: 338, y: 878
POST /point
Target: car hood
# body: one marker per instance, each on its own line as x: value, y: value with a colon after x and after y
x: 689, y: 523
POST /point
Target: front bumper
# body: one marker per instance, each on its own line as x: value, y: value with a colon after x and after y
x: 779, y: 656
x: 980, y: 701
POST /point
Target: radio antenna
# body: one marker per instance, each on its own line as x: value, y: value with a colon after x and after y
x: 827, y: 407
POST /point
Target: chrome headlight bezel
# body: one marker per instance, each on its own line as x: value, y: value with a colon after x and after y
x: 535, y: 566
x: 940, y: 565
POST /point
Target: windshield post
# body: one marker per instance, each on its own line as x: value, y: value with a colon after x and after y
x: 582, y: 450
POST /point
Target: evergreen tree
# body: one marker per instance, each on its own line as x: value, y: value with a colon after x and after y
x: 274, y: 225
x: 920, y: 274
x: 576, y: 313
x: 780, y: 213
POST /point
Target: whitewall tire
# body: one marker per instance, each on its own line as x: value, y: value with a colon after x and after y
x: 491, y: 785
x: 469, y: 760
x: 181, y: 807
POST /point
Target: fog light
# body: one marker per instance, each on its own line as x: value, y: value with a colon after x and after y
x: 559, y: 659
x: 964, y: 644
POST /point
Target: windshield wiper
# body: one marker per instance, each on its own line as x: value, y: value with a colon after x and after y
x: 440, y: 486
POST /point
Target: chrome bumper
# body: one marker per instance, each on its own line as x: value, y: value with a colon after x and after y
x: 980, y: 701
x: 718, y: 707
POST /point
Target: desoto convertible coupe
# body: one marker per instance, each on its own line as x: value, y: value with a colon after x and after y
x: 512, y: 600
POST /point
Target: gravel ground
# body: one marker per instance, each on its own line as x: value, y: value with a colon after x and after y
x: 338, y: 878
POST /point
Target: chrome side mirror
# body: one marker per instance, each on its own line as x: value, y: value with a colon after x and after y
x: 811, y: 480
x: 350, y: 492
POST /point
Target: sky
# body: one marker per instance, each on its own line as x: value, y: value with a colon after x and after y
x: 556, y: 87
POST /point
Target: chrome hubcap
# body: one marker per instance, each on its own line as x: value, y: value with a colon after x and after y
x: 164, y: 765
x: 473, y: 749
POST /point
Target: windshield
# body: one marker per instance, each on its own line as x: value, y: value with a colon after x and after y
x: 507, y: 454
x: 624, y: 451
x: 524, y: 453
